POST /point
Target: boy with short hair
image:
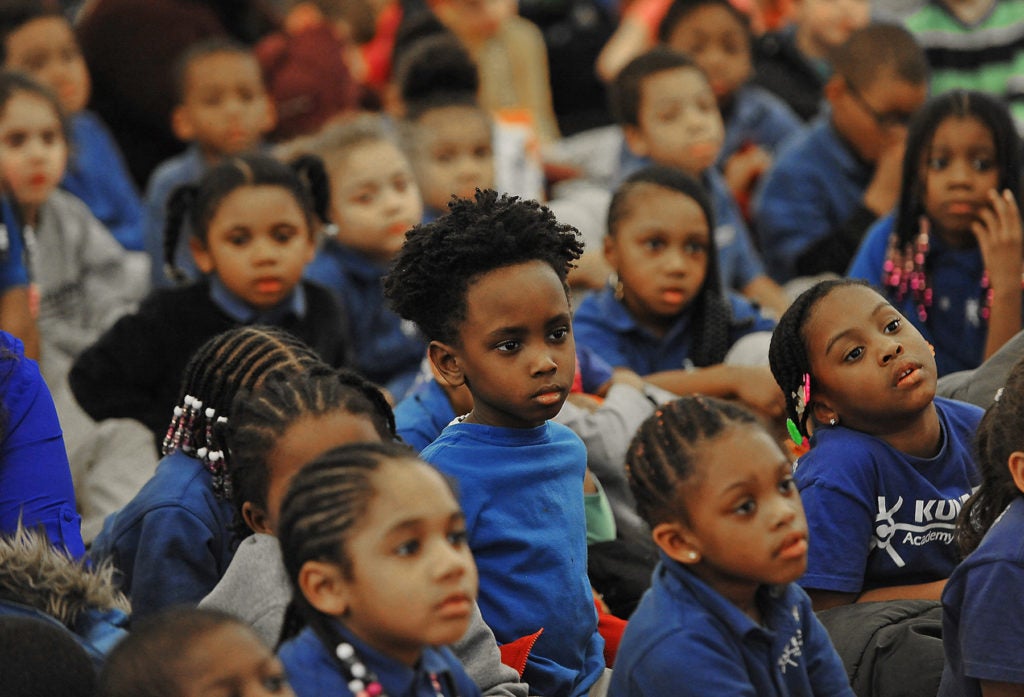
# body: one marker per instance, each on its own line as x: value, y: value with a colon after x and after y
x: 669, y: 116
x: 830, y: 184
x: 487, y: 285
x: 40, y: 42
x: 223, y: 110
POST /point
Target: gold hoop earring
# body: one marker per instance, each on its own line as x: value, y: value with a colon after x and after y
x: 616, y: 283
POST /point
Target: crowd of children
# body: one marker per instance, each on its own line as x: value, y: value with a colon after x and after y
x: 333, y: 399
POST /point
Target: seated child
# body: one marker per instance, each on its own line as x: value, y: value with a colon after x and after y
x: 185, y: 651
x: 889, y: 464
x: 35, y: 38
x: 252, y: 223
x: 723, y: 615
x: 374, y: 544
x: 832, y: 182
x: 222, y: 110
x: 982, y: 600
x: 669, y: 116
x: 374, y: 200
x: 173, y: 541
x: 793, y: 62
x: 717, y: 36
x: 950, y: 256
x: 665, y: 317
x: 486, y: 285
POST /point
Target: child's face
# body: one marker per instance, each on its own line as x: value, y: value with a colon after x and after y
x: 874, y: 116
x: 258, y: 244
x: 46, y: 49
x: 231, y: 661
x: 33, y: 151
x: 300, y: 444
x: 872, y: 369
x: 374, y: 199
x: 958, y: 171
x: 474, y: 20
x: 454, y: 154
x: 827, y: 24
x: 720, y: 45
x: 226, y: 109
x: 679, y: 122
x: 746, y: 522
x: 659, y: 249
x: 516, y: 351
x: 413, y: 578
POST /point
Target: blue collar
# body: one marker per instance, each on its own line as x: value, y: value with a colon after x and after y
x: 356, y: 263
x: 240, y: 311
x: 618, y: 318
x: 396, y: 677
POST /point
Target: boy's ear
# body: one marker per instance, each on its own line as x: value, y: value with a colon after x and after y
x: 256, y: 518
x: 677, y: 541
x: 325, y: 587
x: 201, y: 254
x: 181, y: 124
x: 636, y: 141
x: 446, y: 362
x: 1016, y: 465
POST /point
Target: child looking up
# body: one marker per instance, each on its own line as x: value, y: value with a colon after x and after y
x: 833, y: 181
x: 173, y: 541
x: 375, y: 546
x: 185, y: 651
x: 982, y: 602
x: 889, y: 465
x: 222, y: 110
x: 374, y: 200
x: 669, y: 116
x: 666, y: 314
x: 486, y: 285
x: 252, y: 222
x: 38, y: 40
x: 950, y: 256
x: 723, y: 615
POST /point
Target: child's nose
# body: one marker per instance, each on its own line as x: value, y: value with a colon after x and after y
x: 890, y: 351
x: 452, y: 562
x: 543, y: 362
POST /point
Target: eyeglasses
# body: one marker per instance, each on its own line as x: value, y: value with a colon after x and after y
x: 883, y: 120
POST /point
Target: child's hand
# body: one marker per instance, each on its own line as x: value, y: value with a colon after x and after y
x: 755, y: 387
x: 884, y: 188
x: 999, y: 234
x: 744, y: 167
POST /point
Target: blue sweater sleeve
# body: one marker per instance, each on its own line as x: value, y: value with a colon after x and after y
x: 868, y: 262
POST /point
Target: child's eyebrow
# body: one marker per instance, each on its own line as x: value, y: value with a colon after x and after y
x: 831, y: 342
x: 410, y: 524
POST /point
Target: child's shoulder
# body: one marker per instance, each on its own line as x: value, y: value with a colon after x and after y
x: 184, y: 168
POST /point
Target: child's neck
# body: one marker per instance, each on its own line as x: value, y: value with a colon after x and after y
x: 919, y: 437
x: 740, y: 592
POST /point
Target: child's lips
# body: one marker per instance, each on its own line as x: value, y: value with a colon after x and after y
x: 549, y: 395
x: 794, y: 546
x: 269, y: 285
x: 673, y: 296
x: 455, y: 606
x: 907, y: 376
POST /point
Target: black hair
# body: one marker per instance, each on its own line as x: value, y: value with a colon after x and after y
x: 663, y: 454
x: 261, y: 416
x: 434, y: 72
x: 14, y: 14
x: 40, y: 658
x: 681, y: 9
x: 238, y: 359
x: 1000, y: 433
x: 325, y: 502
x: 13, y: 83
x: 429, y: 278
x: 304, y: 178
x: 712, y: 313
x: 626, y: 90
x: 149, y: 661
x: 339, y: 137
x: 874, y: 50
x: 203, y: 49
x: 787, y: 354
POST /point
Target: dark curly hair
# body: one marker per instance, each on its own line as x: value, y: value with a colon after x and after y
x: 428, y: 280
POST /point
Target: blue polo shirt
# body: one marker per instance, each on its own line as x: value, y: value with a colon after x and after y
x: 757, y: 117
x: 982, y: 605
x: 314, y: 672
x: 815, y: 185
x: 603, y: 324
x: 423, y: 414
x: 13, y: 272
x: 389, y: 350
x: 954, y: 325
x: 685, y: 638
x: 293, y: 306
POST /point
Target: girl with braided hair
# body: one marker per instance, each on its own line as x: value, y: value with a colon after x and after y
x: 253, y: 223
x: 889, y: 464
x: 723, y: 615
x: 174, y: 540
x: 665, y: 314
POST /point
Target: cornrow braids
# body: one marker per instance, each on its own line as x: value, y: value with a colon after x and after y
x: 787, y: 354
x: 235, y: 360
x: 325, y: 501
x: 1000, y: 433
x: 429, y: 278
x: 663, y: 454
x: 261, y: 416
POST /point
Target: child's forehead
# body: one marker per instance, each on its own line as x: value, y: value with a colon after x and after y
x: 365, y: 160
x: 39, y: 32
x: 684, y: 78
x: 217, y: 65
